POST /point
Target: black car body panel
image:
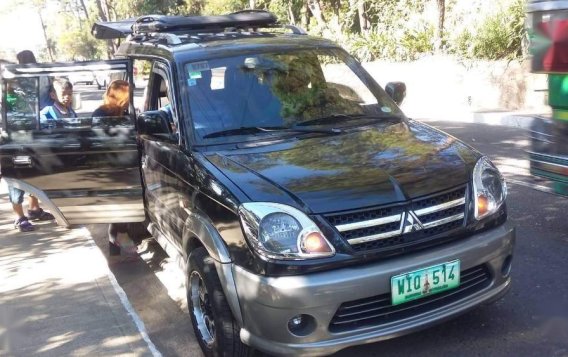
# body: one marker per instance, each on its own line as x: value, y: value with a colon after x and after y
x: 379, y: 165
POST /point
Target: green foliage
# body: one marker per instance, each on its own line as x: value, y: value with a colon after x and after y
x: 79, y: 44
x: 400, y: 30
x: 402, y: 46
x: 74, y: 41
x: 499, y: 36
x: 219, y: 7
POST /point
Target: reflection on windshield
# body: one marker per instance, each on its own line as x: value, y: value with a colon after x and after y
x: 277, y: 90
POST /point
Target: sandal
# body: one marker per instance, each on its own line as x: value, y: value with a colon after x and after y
x: 40, y: 215
x: 23, y: 225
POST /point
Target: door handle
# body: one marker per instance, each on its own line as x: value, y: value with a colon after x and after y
x: 22, y: 161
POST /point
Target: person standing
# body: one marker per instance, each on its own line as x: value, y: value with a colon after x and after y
x: 16, y: 196
x: 115, y: 105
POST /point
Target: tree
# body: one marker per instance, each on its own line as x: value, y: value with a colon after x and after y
x: 105, y: 15
x: 438, y: 44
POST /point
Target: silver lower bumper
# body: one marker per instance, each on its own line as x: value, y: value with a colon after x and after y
x: 269, y: 303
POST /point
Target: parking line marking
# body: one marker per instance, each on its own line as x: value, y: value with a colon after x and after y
x: 125, y: 302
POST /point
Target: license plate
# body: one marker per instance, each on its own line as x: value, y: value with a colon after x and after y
x: 424, y: 282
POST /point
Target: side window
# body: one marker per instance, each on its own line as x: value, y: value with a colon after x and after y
x: 58, y: 96
x: 141, y: 71
x: 160, y: 97
x: 21, y: 103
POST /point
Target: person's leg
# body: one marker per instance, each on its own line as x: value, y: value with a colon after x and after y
x: 18, y: 210
x: 33, y: 203
x: 17, y: 198
x: 113, y: 245
x: 35, y: 212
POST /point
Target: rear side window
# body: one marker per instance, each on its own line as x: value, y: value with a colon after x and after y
x: 21, y: 102
x: 66, y: 95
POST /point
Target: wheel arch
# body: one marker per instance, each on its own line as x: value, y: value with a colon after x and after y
x: 198, y: 232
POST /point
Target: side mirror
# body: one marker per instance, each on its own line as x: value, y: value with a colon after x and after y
x: 155, y: 123
x: 397, y: 91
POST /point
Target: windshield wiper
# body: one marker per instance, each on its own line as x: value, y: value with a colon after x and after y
x: 335, y: 118
x: 268, y: 129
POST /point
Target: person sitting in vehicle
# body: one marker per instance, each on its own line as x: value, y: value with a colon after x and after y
x: 115, y: 100
x: 61, y: 111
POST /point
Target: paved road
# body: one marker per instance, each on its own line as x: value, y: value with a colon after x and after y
x: 532, y: 320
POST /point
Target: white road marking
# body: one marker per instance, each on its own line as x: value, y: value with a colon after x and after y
x: 124, y: 300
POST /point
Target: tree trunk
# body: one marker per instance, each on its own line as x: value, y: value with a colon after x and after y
x: 47, y: 43
x: 84, y: 6
x: 315, y: 9
x: 363, y: 20
x: 252, y: 4
x: 305, y: 15
x: 440, y: 28
x: 104, y: 15
x: 336, y: 6
x: 291, y: 16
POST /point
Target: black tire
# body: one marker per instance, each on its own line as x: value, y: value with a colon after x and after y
x: 223, y: 338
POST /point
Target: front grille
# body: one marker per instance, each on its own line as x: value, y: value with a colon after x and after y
x: 390, y: 228
x: 377, y: 310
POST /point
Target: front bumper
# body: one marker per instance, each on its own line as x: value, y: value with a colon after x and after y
x: 268, y: 303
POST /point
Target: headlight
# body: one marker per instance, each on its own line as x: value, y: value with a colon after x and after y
x: 489, y: 188
x: 282, y: 232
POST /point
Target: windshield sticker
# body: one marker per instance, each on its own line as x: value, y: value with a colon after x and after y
x: 386, y: 109
x: 218, y: 78
x: 191, y: 82
x: 198, y: 66
x: 195, y: 75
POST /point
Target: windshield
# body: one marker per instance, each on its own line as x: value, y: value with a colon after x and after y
x: 278, y: 90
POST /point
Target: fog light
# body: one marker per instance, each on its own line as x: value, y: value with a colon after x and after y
x: 301, y: 325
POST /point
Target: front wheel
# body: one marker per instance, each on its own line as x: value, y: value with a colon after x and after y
x: 215, y: 328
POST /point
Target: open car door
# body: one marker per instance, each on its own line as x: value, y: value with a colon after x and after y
x: 84, y: 169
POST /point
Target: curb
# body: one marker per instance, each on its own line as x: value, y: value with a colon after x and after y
x: 509, y: 119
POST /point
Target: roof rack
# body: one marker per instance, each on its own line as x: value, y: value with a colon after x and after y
x: 247, y: 19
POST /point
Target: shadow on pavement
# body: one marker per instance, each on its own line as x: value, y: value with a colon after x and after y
x: 56, y: 296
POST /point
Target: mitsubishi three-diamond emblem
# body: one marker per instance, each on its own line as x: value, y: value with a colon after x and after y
x: 411, y: 223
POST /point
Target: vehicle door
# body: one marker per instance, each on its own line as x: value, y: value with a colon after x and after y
x: 83, y: 169
x: 162, y: 156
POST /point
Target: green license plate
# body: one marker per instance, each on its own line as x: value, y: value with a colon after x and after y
x: 424, y: 282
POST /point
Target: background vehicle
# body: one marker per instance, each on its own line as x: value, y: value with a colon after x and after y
x: 87, y: 78
x: 308, y: 212
x: 548, y: 26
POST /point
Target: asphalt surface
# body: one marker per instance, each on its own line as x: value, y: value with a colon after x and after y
x: 532, y: 320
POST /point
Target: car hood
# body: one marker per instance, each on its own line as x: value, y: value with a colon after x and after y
x: 377, y: 165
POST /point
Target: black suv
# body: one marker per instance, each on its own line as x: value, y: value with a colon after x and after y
x: 308, y: 212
